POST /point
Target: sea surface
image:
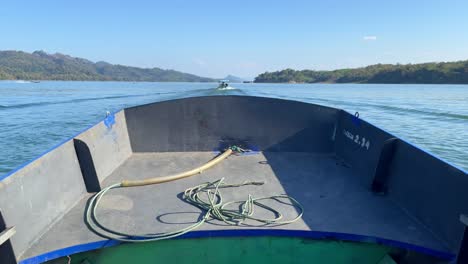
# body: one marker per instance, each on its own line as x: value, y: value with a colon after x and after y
x: 35, y: 117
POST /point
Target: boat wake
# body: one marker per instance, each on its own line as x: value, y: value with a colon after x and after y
x: 227, y: 88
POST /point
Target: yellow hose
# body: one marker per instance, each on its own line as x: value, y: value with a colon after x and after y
x: 157, y: 180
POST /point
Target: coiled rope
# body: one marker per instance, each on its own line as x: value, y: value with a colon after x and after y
x: 213, y: 206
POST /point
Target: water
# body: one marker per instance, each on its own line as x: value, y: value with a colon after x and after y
x: 37, y: 116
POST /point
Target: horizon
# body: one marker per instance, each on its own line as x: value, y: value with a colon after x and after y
x: 250, y: 78
x: 245, y: 39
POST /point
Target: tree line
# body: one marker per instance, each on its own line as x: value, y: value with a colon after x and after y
x: 430, y: 73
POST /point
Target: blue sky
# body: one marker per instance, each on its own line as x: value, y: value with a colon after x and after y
x: 244, y: 38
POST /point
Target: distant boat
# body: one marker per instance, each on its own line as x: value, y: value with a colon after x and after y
x: 223, y: 84
x: 300, y: 183
x: 35, y: 81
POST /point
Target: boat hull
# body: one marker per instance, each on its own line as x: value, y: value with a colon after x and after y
x: 352, y: 177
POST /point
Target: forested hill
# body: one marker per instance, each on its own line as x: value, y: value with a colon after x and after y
x: 18, y: 65
x: 430, y: 73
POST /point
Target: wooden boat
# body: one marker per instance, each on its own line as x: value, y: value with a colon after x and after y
x: 363, y: 195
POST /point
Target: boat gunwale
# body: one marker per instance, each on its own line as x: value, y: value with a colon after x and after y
x: 23, y: 165
x: 55, y: 146
x: 364, y: 238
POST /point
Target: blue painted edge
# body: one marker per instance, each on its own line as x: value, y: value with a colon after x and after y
x: 249, y: 233
x: 8, y: 174
x: 69, y: 251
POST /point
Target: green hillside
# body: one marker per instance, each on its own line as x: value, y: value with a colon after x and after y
x: 430, y: 73
x: 18, y: 65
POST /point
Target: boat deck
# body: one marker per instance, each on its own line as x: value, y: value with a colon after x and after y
x: 334, y: 201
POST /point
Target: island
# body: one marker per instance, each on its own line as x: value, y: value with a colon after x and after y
x: 424, y: 73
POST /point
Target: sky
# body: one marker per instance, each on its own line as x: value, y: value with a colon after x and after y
x: 243, y: 38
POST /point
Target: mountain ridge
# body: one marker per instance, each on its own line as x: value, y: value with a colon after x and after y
x: 40, y: 65
x: 233, y: 79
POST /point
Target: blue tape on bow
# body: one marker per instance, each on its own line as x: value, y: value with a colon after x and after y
x: 109, y: 120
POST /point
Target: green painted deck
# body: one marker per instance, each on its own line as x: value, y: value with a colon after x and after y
x: 236, y: 250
